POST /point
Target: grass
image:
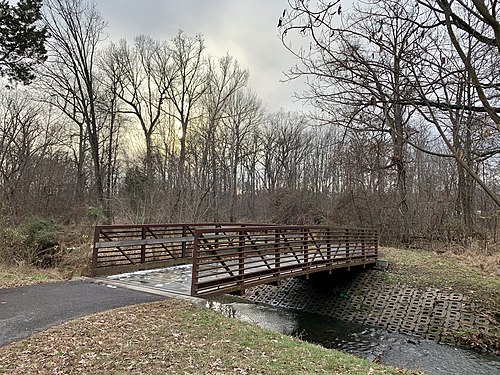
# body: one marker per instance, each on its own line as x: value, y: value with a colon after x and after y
x: 21, y: 275
x: 479, y: 280
x: 173, y: 337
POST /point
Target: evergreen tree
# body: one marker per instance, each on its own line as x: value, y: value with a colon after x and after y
x: 21, y: 39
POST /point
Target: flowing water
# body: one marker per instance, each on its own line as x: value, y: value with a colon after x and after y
x: 363, y: 341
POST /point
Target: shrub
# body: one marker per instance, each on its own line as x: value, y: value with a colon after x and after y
x: 34, y: 243
x: 12, y: 248
x: 94, y: 214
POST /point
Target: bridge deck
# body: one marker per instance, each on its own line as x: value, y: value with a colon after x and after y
x: 228, y: 258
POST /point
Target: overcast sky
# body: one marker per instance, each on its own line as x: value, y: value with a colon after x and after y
x: 246, y: 29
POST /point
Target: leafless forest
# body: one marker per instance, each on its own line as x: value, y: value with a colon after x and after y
x: 402, y: 135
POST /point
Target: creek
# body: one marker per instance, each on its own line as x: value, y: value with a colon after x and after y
x: 367, y: 342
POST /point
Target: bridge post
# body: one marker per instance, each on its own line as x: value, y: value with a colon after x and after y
x: 305, y: 249
x: 143, y: 247
x: 184, y: 234
x: 347, y: 242
x: 363, y: 245
x: 328, y: 244
x: 97, y: 232
x: 241, y: 259
x: 277, y: 252
x: 194, y: 270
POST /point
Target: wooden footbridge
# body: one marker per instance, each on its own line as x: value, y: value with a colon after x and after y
x: 229, y: 257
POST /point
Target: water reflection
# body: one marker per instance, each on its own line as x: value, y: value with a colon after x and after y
x: 275, y: 319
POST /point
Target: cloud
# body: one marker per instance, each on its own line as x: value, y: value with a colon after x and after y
x: 246, y: 29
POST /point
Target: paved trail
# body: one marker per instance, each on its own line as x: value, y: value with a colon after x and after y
x: 30, y: 309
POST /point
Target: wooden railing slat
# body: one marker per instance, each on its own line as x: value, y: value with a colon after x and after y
x: 150, y: 241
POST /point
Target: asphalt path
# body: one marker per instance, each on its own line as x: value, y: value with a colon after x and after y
x: 30, y: 309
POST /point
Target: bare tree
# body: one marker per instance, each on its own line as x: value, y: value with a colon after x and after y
x: 187, y: 83
x: 76, y: 29
x: 26, y: 139
x: 477, y: 19
x: 358, y: 72
x: 225, y: 79
x: 242, y: 116
x: 470, y: 32
x: 109, y: 112
x: 141, y: 82
x: 285, y: 142
x: 387, y: 66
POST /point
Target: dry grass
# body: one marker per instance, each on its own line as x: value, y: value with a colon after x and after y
x: 489, y: 265
x: 480, y: 255
x: 173, y: 337
x: 464, y: 272
x: 21, y: 275
x: 74, y: 262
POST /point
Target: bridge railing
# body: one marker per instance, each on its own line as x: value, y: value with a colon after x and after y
x: 132, y: 247
x: 232, y: 259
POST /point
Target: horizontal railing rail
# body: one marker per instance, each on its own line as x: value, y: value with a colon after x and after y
x: 232, y: 259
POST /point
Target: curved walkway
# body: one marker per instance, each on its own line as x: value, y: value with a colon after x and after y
x: 30, y: 309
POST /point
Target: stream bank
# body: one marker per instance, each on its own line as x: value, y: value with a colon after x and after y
x: 428, y: 311
x: 440, y: 315
x: 374, y: 344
